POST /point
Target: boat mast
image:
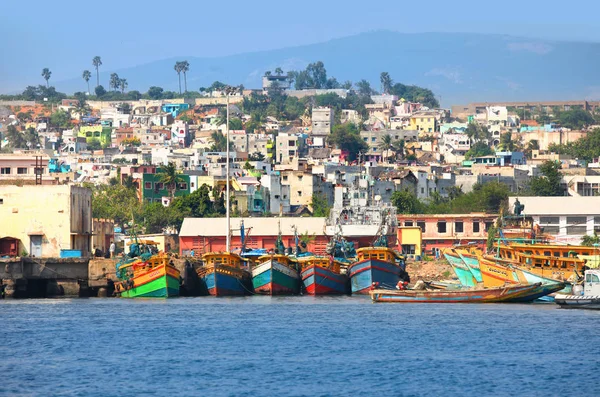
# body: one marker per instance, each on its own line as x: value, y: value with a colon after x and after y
x: 228, y: 239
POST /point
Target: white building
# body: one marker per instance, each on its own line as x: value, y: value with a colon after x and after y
x: 322, y: 121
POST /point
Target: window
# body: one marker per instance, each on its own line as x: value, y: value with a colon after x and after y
x: 551, y: 229
x: 488, y: 225
x: 285, y: 177
x: 366, y: 139
x: 159, y: 186
x: 577, y: 220
x: 373, y: 139
x: 21, y: 170
x: 299, y: 193
x: 441, y: 226
x: 148, y: 185
x: 300, y: 178
x: 1, y: 201
x: 408, y: 223
x: 459, y: 227
x: 422, y: 226
x: 292, y: 143
x: 422, y: 190
x: 549, y: 219
x: 5, y: 170
x: 182, y: 186
x: 475, y: 226
x: 192, y: 184
x: 576, y: 230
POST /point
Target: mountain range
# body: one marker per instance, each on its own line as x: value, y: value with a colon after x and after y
x: 458, y: 67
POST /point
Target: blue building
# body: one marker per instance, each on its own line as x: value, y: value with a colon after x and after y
x: 175, y: 108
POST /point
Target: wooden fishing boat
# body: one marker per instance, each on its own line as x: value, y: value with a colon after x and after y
x: 481, y: 295
x: 322, y: 275
x: 155, y: 277
x: 471, y: 260
x: 223, y: 274
x: 380, y: 265
x: 546, y: 263
x: 496, y: 273
x: 461, y: 270
x: 276, y: 275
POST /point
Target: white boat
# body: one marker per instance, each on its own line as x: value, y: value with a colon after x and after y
x: 589, y: 298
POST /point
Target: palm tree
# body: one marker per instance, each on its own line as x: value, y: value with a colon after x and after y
x: 87, y: 75
x: 170, y: 176
x: 268, y: 73
x: 97, y: 62
x: 386, y: 82
x: 185, y: 67
x: 386, y: 144
x: 398, y: 147
x: 278, y: 71
x: 123, y: 84
x: 114, y: 81
x: 46, y: 73
x: 590, y: 240
x: 178, y: 68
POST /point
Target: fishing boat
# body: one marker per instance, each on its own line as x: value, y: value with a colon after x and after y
x: 322, y: 275
x: 223, y: 274
x: 496, y: 273
x: 588, y: 298
x: 380, y: 265
x: 462, y: 271
x: 146, y: 273
x: 276, y: 274
x: 466, y: 295
x: 470, y: 260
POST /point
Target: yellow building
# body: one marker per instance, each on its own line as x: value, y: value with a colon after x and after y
x: 410, y: 240
x: 46, y: 219
x: 423, y: 122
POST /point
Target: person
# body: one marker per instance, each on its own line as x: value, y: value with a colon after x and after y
x: 112, y: 249
x: 97, y: 252
x: 192, y: 253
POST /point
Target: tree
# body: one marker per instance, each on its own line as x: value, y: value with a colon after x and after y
x: 197, y: 204
x: 548, y: 184
x: 134, y: 95
x: 320, y: 206
x: 386, y: 82
x: 219, y: 142
x: 364, y: 88
x: 87, y: 75
x: 506, y: 142
x: 155, y: 92
x: 398, y: 147
x: 61, y: 119
x: 248, y: 166
x: 477, y: 150
x: 406, y: 202
x: 115, y: 202
x: 32, y: 139
x: 170, y: 176
x: 256, y: 156
x: 46, y: 73
x: 114, y: 82
x: 386, y: 144
x: 576, y: 118
x: 185, y: 67
x: 157, y: 217
x: 94, y: 144
x: 347, y: 138
x: 97, y: 62
x: 178, y: 69
x: 590, y: 240
x: 100, y: 91
x: 235, y: 124
x: 278, y: 71
x: 413, y: 93
x: 531, y: 146
x: 123, y: 84
x: 15, y: 138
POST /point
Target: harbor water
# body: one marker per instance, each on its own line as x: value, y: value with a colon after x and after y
x: 294, y: 346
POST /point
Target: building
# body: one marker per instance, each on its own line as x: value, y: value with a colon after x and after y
x: 410, y: 240
x: 288, y: 147
x: 322, y: 121
x: 424, y: 121
x: 445, y: 230
x: 567, y: 219
x: 153, y: 190
x: 21, y: 166
x: 96, y: 132
x: 208, y: 235
x: 42, y: 221
x: 274, y: 81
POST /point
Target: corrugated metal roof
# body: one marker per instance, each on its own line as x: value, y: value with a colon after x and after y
x: 260, y: 226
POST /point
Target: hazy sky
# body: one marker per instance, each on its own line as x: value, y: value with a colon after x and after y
x: 64, y: 35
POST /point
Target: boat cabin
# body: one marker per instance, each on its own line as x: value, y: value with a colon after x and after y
x: 592, y: 282
x: 222, y: 258
x: 325, y: 262
x: 379, y: 253
x: 283, y: 259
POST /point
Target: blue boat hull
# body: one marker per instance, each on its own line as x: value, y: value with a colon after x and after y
x: 364, y: 273
x: 220, y: 284
x: 473, y: 265
x: 320, y: 281
x: 463, y: 273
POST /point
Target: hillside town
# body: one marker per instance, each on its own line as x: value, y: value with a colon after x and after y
x: 295, y: 152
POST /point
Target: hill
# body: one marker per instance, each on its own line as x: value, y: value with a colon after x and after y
x: 457, y: 67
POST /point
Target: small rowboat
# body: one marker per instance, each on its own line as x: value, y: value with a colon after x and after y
x: 482, y: 295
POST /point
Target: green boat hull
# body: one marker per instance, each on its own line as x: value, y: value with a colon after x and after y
x: 163, y: 287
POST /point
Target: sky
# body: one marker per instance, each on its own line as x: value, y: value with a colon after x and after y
x: 65, y: 35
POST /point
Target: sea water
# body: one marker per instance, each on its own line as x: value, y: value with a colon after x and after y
x: 294, y: 346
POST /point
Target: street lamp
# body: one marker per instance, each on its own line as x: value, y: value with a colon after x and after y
x: 228, y: 91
